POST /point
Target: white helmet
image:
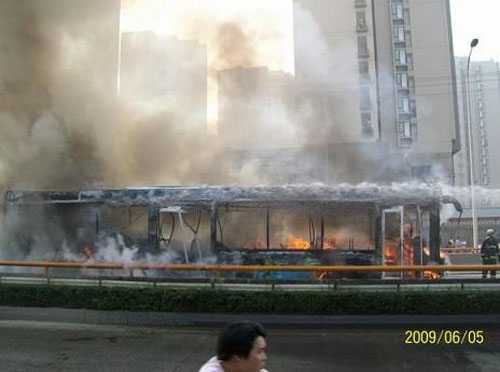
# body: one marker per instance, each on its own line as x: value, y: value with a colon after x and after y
x: 490, y: 232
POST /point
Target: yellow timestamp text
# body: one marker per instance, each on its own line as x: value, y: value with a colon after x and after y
x: 444, y: 336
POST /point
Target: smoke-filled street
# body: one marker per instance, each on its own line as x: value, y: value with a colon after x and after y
x: 285, y: 158
x: 261, y: 133
x: 34, y: 346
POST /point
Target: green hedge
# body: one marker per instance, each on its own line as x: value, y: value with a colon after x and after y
x: 279, y: 302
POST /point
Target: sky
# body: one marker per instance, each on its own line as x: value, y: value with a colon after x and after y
x: 470, y: 19
x: 267, y: 26
x: 476, y: 19
x: 270, y: 24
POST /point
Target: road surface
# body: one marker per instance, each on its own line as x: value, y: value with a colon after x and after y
x: 27, y: 346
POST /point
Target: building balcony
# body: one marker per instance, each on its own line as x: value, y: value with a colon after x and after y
x: 363, y: 53
x: 364, y: 80
x: 365, y: 105
x: 361, y: 27
x: 360, y: 3
x: 367, y: 130
x: 405, y: 142
x: 398, y: 21
x: 404, y: 115
x: 398, y: 43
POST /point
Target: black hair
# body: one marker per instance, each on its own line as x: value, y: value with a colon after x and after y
x: 237, y: 339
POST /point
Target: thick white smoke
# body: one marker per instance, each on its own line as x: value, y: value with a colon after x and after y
x: 62, y: 125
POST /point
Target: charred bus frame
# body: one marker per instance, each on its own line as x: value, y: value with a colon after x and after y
x: 382, y: 206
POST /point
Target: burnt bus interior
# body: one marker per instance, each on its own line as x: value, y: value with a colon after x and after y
x: 286, y: 225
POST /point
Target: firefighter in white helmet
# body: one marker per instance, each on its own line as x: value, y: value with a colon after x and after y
x: 489, y: 252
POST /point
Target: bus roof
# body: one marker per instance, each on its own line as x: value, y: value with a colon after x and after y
x: 402, y: 194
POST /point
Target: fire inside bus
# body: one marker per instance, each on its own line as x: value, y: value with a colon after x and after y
x: 282, y: 225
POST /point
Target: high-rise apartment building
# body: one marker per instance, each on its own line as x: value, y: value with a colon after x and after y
x: 335, y: 70
x: 484, y: 81
x: 370, y: 71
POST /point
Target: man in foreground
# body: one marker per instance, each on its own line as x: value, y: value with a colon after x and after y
x: 241, y: 348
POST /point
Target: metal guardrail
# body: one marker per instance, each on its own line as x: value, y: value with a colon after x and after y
x: 127, y: 277
x: 47, y: 265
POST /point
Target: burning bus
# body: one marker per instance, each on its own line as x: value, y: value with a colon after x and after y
x: 279, y: 225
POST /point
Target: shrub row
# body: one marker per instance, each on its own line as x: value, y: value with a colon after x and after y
x: 278, y: 302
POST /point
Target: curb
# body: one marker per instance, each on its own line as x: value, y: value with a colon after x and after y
x: 130, y: 318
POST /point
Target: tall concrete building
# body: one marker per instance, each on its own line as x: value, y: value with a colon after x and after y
x: 366, y: 74
x: 485, y: 118
x: 334, y: 70
x: 161, y: 69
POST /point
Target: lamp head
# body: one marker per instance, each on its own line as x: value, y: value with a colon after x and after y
x: 474, y: 42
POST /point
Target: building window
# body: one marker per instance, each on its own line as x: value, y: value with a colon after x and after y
x: 406, y: 16
x: 398, y: 33
x: 397, y: 10
x: 407, y: 39
x: 409, y: 60
x: 366, y: 118
x: 413, y: 107
x: 411, y: 82
x: 361, y: 21
x: 362, y: 46
x: 365, y: 97
x: 359, y: 3
x: 404, y: 129
x: 404, y: 104
x: 364, y: 72
x: 402, y: 79
x: 400, y: 56
x: 366, y: 124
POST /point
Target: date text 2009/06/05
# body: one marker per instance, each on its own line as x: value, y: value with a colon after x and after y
x: 444, y: 336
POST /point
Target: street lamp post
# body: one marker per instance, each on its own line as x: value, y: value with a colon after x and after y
x: 471, y: 160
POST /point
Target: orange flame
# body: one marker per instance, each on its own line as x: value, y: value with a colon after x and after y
x: 330, y: 244
x: 293, y: 242
x: 391, y: 253
x: 431, y: 274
